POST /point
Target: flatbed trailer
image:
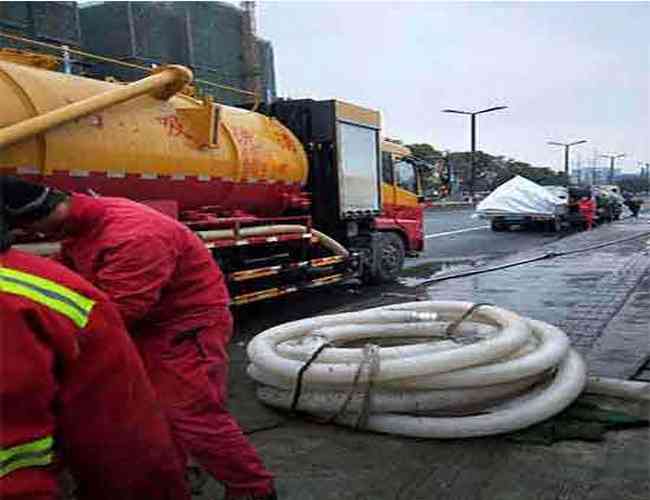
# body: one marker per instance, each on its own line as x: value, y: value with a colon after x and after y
x: 505, y: 221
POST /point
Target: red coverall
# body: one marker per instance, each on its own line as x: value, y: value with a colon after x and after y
x: 173, y: 298
x: 71, y: 378
x: 587, y: 208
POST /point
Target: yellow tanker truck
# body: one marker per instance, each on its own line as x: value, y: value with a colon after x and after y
x: 286, y: 200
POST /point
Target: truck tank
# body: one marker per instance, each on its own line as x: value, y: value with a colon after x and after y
x: 191, y: 151
x: 239, y: 176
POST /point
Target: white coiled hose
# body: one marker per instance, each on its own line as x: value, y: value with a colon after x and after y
x: 515, y: 373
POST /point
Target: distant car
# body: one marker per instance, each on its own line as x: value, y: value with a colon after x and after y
x: 634, y: 204
x: 609, y: 188
x: 523, y: 203
x: 609, y: 203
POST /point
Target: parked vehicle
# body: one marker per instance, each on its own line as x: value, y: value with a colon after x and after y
x: 634, y: 204
x: 522, y: 203
x: 609, y: 203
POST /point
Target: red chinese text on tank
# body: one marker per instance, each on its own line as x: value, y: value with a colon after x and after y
x: 248, y: 146
x: 173, y: 126
x: 284, y: 139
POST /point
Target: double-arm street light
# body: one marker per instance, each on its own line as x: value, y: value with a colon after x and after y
x: 566, y: 146
x: 473, y: 114
x: 612, y: 160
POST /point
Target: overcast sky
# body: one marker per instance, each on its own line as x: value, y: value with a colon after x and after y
x: 566, y: 71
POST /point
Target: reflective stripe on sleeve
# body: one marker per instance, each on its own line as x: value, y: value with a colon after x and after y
x: 48, y: 293
x: 33, y: 454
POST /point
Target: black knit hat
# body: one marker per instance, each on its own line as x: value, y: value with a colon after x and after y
x: 27, y: 202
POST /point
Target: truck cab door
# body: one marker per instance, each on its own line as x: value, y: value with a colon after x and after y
x: 402, y: 201
x: 387, y: 184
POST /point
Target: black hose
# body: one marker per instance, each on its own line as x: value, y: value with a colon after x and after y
x: 548, y: 255
x: 301, y: 373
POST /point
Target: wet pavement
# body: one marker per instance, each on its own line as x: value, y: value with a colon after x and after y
x: 601, y: 298
x: 581, y: 293
x: 457, y: 234
x: 618, y: 352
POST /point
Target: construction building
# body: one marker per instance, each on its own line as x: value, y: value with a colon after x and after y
x: 55, y: 23
x: 216, y: 40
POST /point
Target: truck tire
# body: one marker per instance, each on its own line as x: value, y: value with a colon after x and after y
x: 390, y: 259
x: 498, y: 226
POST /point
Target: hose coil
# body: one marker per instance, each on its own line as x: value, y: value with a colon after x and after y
x: 493, y: 372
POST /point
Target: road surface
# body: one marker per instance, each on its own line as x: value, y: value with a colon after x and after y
x: 455, y: 235
x: 600, y: 298
x: 452, y: 237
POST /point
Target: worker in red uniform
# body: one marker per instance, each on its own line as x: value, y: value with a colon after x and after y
x: 74, y: 393
x: 174, y: 301
x: 587, y: 207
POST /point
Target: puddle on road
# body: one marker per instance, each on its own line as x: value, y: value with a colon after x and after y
x: 415, y: 275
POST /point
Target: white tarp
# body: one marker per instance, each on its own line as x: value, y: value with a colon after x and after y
x: 559, y: 191
x: 522, y: 197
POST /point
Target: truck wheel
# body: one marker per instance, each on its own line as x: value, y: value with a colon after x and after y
x: 498, y: 226
x: 390, y: 259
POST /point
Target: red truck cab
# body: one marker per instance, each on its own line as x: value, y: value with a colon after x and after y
x: 402, y: 210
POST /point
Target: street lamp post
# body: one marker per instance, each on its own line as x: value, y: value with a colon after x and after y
x: 472, y: 115
x: 566, y: 146
x: 612, y: 160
